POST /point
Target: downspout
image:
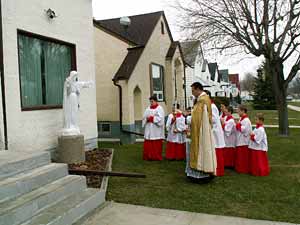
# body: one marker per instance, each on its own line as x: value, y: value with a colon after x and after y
x: 3, y: 82
x: 121, y: 111
x: 184, y: 78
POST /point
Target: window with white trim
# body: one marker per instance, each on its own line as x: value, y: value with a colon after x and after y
x: 157, y: 76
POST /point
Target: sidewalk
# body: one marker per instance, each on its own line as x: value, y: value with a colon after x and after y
x: 276, y: 126
x: 295, y: 108
x: 124, y: 214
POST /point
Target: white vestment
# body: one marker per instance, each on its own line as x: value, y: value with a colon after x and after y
x: 155, y: 130
x: 230, y: 133
x: 243, y: 136
x: 179, y: 125
x: 217, y: 127
x: 261, y: 142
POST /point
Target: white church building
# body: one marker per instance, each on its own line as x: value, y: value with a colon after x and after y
x: 42, y: 41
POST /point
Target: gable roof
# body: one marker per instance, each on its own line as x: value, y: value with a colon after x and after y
x: 190, y: 51
x: 212, y: 67
x: 125, y: 70
x: 172, y: 50
x: 138, y: 32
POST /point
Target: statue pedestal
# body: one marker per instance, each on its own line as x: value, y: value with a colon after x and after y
x: 71, y: 149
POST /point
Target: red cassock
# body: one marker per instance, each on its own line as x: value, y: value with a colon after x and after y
x: 258, y: 157
x: 220, y: 161
x: 230, y: 139
x: 153, y: 150
x: 229, y: 157
x: 175, y: 151
x: 176, y: 140
x: 153, y: 122
x: 259, y: 163
x: 243, y: 131
x: 242, y: 159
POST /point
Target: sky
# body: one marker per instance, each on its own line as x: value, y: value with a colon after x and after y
x: 117, y: 8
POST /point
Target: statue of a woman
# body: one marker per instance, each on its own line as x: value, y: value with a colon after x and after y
x: 72, y: 89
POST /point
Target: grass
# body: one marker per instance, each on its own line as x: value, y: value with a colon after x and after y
x: 271, y: 116
x: 294, y: 103
x: 275, y: 197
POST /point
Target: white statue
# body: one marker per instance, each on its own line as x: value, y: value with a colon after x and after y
x: 72, y: 89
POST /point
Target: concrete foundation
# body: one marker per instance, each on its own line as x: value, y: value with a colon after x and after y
x: 71, y: 149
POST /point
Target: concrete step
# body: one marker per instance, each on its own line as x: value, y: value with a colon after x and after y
x: 30, y: 204
x: 13, y: 162
x: 70, y: 209
x: 30, y: 180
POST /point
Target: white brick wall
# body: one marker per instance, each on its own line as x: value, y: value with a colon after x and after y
x: 38, y: 130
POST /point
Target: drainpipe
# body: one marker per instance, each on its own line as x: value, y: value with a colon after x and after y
x: 121, y: 111
x: 3, y: 83
x: 184, y: 77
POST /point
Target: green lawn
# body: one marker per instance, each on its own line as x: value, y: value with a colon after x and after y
x: 276, y: 197
x: 271, y: 116
x: 294, y: 103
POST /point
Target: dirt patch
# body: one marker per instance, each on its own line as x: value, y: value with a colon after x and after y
x: 96, y: 159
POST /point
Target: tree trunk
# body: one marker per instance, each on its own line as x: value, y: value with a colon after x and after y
x: 280, y: 92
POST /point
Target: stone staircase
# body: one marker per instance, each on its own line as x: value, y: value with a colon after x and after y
x: 34, y: 191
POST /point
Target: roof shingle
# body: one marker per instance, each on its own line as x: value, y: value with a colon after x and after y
x: 129, y: 63
x: 138, y: 32
x: 190, y: 51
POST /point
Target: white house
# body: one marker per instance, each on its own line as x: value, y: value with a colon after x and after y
x: 196, y: 67
x: 42, y: 41
x: 199, y: 70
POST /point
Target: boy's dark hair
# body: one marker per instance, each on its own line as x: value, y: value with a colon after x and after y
x: 189, y: 108
x: 243, y: 108
x: 260, y: 116
x: 230, y: 109
x: 197, y: 85
x: 224, y: 104
x: 208, y: 93
x: 153, y: 97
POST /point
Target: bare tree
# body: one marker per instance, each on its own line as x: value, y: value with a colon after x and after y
x: 269, y: 28
x: 247, y: 84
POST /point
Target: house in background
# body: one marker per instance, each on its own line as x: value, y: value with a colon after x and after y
x: 198, y: 69
x: 38, y: 50
x: 136, y: 57
x: 235, y: 80
x: 235, y: 84
x: 194, y: 59
x: 224, y: 83
x: 226, y: 88
x: 215, y: 78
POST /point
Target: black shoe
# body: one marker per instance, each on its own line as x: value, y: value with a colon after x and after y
x: 203, y: 180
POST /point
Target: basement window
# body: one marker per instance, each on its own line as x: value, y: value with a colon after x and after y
x: 105, y: 128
